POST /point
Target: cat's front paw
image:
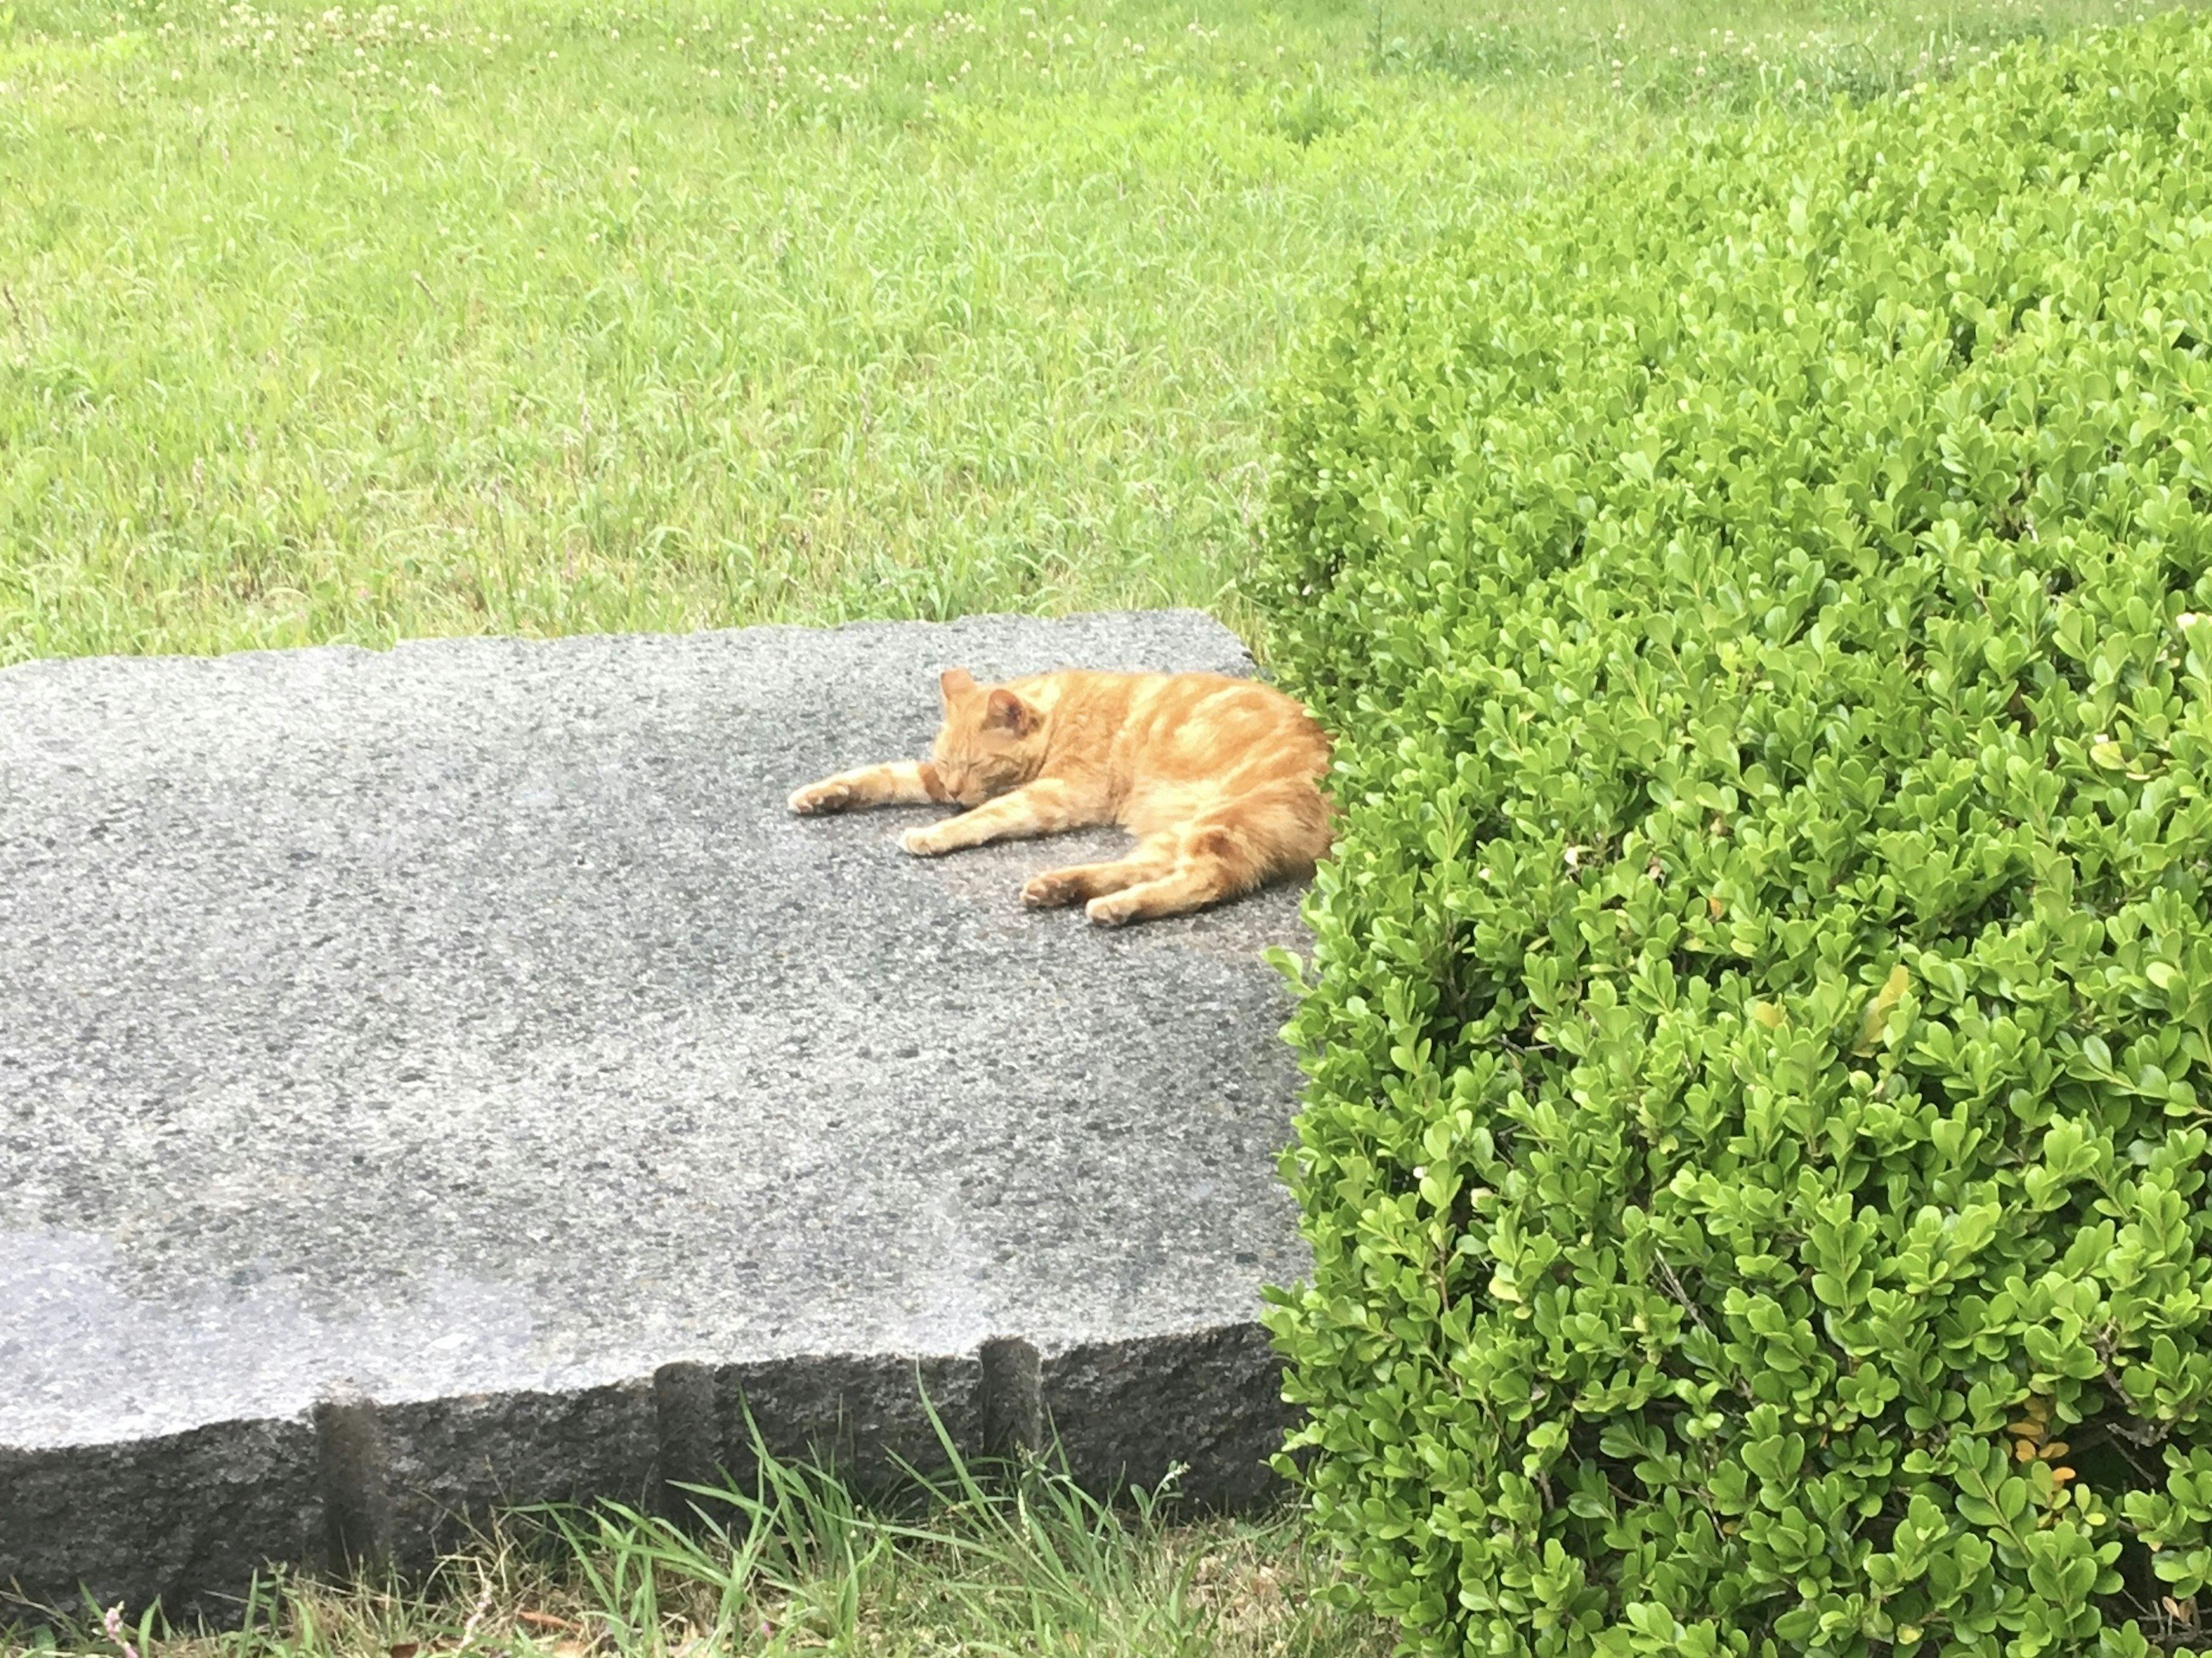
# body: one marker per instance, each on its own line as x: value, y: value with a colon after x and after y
x: 1112, y: 910
x: 924, y: 842
x: 817, y: 798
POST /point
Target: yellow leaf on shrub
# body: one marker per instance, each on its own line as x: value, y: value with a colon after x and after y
x: 1879, y: 1010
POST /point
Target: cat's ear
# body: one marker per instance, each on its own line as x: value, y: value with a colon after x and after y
x: 1007, y: 713
x: 955, y: 682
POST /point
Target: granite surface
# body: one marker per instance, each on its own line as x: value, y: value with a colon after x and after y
x: 449, y: 1075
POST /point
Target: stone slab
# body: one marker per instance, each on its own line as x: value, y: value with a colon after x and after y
x: 448, y: 1075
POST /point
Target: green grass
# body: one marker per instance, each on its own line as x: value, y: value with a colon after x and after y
x: 972, y: 1564
x: 515, y: 316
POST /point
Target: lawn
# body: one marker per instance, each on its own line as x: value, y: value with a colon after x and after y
x: 514, y: 315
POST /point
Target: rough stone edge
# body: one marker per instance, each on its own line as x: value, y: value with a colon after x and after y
x: 189, y: 1518
x: 1208, y: 1402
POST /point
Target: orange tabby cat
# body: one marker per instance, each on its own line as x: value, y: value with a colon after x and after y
x: 1215, y: 776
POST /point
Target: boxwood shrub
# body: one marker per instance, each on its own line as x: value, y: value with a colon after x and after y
x: 1755, y: 1142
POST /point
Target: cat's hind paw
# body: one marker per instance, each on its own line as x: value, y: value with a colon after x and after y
x: 817, y: 798
x: 1053, y: 889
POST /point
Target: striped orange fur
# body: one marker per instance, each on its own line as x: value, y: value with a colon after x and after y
x: 1217, y: 778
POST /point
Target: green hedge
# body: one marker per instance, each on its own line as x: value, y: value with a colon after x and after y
x: 1755, y: 1142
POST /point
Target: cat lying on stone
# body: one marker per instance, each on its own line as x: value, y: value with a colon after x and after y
x: 1216, y: 777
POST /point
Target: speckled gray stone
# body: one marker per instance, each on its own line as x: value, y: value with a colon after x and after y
x: 448, y: 1075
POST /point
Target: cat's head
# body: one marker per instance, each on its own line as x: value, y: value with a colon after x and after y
x: 990, y: 741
